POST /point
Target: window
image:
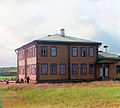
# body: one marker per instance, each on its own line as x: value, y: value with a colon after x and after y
x: 92, y: 69
x: 21, y: 55
x: 43, y: 51
x: 34, y: 69
x: 83, y: 52
x: 43, y: 69
x: 118, y: 69
x: 74, y: 52
x: 53, y: 69
x: 21, y: 70
x: 53, y: 51
x: 30, y: 52
x: 83, y: 69
x: 91, y: 52
x: 27, y: 69
x: 30, y: 69
x: 75, y: 69
x: 34, y: 52
x: 62, y: 69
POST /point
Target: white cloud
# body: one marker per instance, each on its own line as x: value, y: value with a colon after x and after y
x: 22, y: 21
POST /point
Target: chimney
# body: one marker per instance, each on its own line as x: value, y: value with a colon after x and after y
x: 105, y: 48
x: 62, y: 32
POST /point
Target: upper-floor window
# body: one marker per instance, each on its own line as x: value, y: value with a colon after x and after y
x: 91, y: 50
x: 75, y: 69
x: 44, y: 69
x: 21, y: 55
x: 43, y: 51
x: 118, y: 69
x: 34, y: 54
x: 91, y: 69
x: 83, y: 52
x: 53, y: 69
x: 83, y: 69
x: 31, y: 52
x: 62, y: 69
x: 74, y: 52
x: 53, y: 51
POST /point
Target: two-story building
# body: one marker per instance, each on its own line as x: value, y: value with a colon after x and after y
x: 59, y: 58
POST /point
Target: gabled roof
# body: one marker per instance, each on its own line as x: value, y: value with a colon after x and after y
x: 59, y: 38
x: 104, y: 55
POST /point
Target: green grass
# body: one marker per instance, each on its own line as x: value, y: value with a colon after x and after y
x: 88, y: 96
x: 8, y: 77
x: 2, y: 93
x: 8, y: 70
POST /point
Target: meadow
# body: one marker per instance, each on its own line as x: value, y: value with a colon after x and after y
x: 98, y: 94
x: 8, y: 77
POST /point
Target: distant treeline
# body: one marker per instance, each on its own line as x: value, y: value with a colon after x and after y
x: 8, y: 74
x: 8, y: 69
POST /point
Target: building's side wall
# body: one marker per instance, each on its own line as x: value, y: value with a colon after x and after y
x: 25, y: 63
x: 83, y: 60
x: 21, y: 64
x: 61, y: 58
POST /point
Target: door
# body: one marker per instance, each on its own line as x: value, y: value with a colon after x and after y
x: 101, y: 71
x: 106, y: 71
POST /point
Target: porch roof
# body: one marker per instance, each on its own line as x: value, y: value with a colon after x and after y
x: 106, y: 56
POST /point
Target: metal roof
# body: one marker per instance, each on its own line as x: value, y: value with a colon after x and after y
x: 59, y: 38
x: 104, y: 55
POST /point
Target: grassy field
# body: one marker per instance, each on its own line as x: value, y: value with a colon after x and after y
x: 103, y: 94
x: 8, y: 77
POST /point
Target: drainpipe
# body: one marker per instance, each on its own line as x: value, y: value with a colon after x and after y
x: 37, y: 64
x: 69, y: 78
x: 96, y: 66
x: 17, y: 63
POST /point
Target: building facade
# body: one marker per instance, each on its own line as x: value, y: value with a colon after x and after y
x: 60, y: 58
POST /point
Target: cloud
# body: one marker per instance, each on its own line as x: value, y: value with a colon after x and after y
x: 22, y: 21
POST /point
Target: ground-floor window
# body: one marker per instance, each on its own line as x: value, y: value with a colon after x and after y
x: 53, y: 69
x: 75, y: 69
x: 44, y: 69
x: 22, y: 70
x: 62, y: 69
x: 31, y: 69
x: 83, y: 69
x: 91, y: 69
x: 118, y: 69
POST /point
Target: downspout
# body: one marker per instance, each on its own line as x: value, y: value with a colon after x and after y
x: 25, y: 58
x: 37, y: 64
x: 69, y: 78
x: 96, y: 69
x: 17, y: 63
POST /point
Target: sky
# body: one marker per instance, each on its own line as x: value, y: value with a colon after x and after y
x: 22, y: 21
